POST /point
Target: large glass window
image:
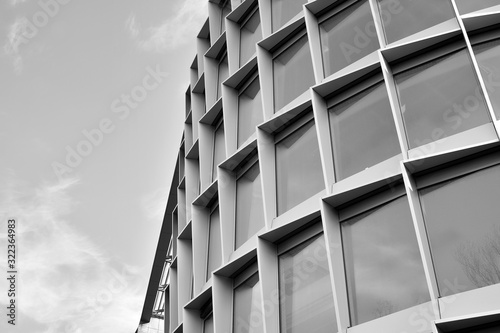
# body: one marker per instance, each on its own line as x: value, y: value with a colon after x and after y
x: 222, y: 74
x: 247, y: 316
x: 214, y: 253
x: 219, y: 151
x: 383, y: 263
x: 403, y: 18
x: 250, y: 34
x: 461, y: 217
x: 468, y: 6
x: 249, y: 205
x: 489, y: 65
x: 347, y: 36
x: 363, y: 131
x: 292, y: 73
x: 306, y: 298
x: 283, y: 11
x: 298, y: 167
x: 249, y: 111
x: 440, y: 98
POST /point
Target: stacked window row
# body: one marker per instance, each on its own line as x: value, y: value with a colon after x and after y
x: 327, y: 155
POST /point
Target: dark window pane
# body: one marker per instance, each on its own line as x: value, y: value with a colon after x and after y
x: 403, y: 18
x: 214, y: 243
x: 292, y: 73
x: 363, y: 132
x: 249, y: 205
x: 222, y: 75
x: 298, y: 168
x: 208, y: 325
x: 467, y: 6
x: 384, y: 268
x: 440, y: 98
x: 250, y: 34
x: 247, y: 310
x: 249, y: 111
x: 284, y: 10
x: 306, y: 298
x: 348, y: 36
x: 489, y: 64
x: 461, y: 218
x: 219, y: 150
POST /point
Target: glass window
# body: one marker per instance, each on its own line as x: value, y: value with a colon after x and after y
x: 208, y: 324
x: 298, y: 167
x: 440, y: 98
x: 249, y: 205
x: 292, y: 73
x: 214, y: 243
x: 347, y: 36
x: 283, y: 11
x: 247, y: 316
x: 403, y: 18
x: 461, y: 217
x: 383, y: 264
x: 250, y: 34
x: 219, y: 152
x: 225, y: 10
x: 222, y: 74
x: 489, y: 65
x: 468, y: 6
x: 363, y: 132
x: 306, y: 298
x: 249, y: 111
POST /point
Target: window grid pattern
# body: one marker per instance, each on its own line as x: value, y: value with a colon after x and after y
x: 468, y: 112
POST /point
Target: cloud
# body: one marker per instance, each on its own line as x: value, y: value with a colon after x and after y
x: 132, y: 26
x: 66, y: 282
x: 153, y: 204
x: 176, y: 30
x: 15, y: 37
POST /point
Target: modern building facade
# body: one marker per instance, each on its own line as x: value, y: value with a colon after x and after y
x: 339, y: 171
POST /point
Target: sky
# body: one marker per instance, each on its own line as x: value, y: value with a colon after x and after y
x: 91, y: 116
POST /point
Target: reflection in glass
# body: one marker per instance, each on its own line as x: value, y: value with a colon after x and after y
x: 247, y: 317
x: 249, y: 111
x: 440, y: 98
x: 292, y: 73
x: 403, y: 18
x: 208, y: 324
x: 468, y: 6
x: 306, y: 298
x: 363, y: 132
x: 249, y: 205
x: 219, y: 150
x: 347, y: 37
x: 298, y: 167
x: 489, y: 65
x: 384, y: 268
x: 283, y: 11
x: 250, y: 34
x: 222, y: 74
x: 461, y: 218
x: 214, y: 243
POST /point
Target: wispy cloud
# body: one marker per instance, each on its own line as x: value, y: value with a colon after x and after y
x: 154, y: 204
x: 132, y: 26
x: 68, y: 283
x: 174, y: 31
x: 15, y: 37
